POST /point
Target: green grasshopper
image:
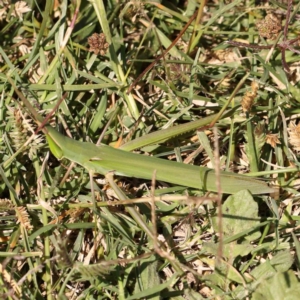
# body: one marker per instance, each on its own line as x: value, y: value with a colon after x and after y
x: 104, y: 159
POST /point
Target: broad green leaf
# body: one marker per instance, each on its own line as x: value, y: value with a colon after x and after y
x: 240, y: 212
x: 281, y: 262
x: 224, y: 274
x: 281, y: 286
x: 147, y: 277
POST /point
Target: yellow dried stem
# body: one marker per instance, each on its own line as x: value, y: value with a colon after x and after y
x: 272, y: 139
x: 23, y: 217
x: 254, y: 87
x: 13, y: 284
x: 294, y: 135
x: 249, y: 97
x: 6, y: 204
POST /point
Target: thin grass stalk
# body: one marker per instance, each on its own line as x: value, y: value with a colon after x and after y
x: 133, y: 212
x: 62, y: 290
x: 279, y: 151
x: 193, y: 74
x: 138, y: 218
x: 130, y: 202
x: 197, y: 32
x: 101, y: 14
x: 205, y: 143
x: 253, y: 156
x: 139, y: 48
x: 251, y: 41
x: 275, y: 209
x: 13, y: 195
x: 93, y: 191
x: 67, y: 36
x: 47, y: 251
x: 46, y: 15
x: 173, y: 13
x: 231, y: 148
x: 235, y: 91
x: 262, y: 238
x: 26, y: 244
x: 23, y: 254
